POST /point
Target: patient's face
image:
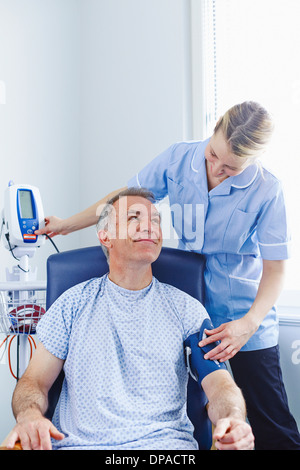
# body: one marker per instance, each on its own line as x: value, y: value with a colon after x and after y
x: 138, y: 234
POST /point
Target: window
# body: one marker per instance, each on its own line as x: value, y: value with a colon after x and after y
x: 250, y: 51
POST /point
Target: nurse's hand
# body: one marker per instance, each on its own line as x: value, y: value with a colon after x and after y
x: 53, y: 226
x: 232, y: 336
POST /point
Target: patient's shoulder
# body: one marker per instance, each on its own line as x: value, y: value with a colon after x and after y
x: 190, y: 311
x: 175, y: 293
x: 180, y: 299
x: 85, y: 289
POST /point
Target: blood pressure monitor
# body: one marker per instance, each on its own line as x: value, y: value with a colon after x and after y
x: 23, y: 214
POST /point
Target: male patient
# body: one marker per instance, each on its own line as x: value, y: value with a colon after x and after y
x: 120, y: 341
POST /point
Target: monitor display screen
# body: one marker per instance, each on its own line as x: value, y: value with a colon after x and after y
x: 26, y: 208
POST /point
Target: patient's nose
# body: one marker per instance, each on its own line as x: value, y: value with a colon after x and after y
x: 145, y: 225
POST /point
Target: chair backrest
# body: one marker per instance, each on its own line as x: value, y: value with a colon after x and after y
x: 181, y: 269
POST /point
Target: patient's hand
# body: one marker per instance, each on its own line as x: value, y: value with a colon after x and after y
x: 34, y: 431
x: 233, y: 434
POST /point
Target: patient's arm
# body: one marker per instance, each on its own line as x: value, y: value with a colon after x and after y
x: 227, y: 412
x: 30, y: 402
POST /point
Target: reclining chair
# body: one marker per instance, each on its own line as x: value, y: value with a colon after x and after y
x: 181, y: 269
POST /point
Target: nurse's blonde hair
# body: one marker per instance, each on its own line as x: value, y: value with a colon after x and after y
x: 248, y: 128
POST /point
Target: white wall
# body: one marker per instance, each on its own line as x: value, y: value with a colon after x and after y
x: 40, y: 128
x: 39, y: 124
x: 94, y: 90
x: 133, y: 90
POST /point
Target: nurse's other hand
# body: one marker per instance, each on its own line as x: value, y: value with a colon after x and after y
x: 232, y: 336
x: 53, y: 226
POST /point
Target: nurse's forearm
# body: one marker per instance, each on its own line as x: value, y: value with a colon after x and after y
x: 89, y: 216
x: 270, y: 287
x: 54, y: 225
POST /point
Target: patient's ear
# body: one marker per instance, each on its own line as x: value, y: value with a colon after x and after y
x: 104, y: 238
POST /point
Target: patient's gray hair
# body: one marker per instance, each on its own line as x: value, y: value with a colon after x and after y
x: 108, y: 210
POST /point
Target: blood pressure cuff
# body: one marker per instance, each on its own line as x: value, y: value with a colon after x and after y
x: 199, y: 367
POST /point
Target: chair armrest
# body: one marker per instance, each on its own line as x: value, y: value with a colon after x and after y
x: 17, y: 445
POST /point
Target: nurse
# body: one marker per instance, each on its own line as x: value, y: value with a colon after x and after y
x: 233, y: 212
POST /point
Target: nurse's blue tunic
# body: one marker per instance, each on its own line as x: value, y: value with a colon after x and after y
x: 235, y: 225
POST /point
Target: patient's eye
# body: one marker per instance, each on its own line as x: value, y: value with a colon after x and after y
x: 133, y: 217
x: 156, y: 220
